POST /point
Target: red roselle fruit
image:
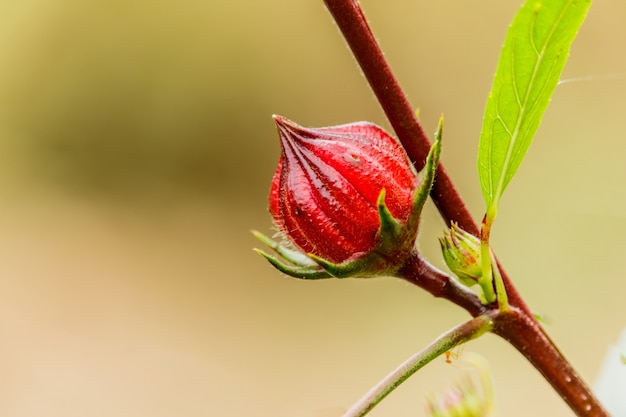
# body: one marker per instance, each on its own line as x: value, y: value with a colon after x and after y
x: 324, y: 192
x: 347, y: 196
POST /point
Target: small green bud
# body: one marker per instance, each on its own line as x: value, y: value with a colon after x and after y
x: 461, y: 251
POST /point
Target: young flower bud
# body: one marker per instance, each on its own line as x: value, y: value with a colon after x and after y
x: 348, y: 197
x: 461, y: 251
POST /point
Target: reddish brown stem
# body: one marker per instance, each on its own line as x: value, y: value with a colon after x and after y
x: 518, y: 326
x: 418, y: 271
x: 530, y: 340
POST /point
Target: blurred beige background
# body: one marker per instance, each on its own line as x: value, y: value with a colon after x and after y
x: 136, y: 152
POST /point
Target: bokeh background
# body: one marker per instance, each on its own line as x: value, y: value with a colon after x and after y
x: 136, y: 152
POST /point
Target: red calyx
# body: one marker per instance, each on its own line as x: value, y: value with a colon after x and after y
x: 324, y: 192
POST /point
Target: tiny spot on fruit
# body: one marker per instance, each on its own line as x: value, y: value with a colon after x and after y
x: 352, y: 158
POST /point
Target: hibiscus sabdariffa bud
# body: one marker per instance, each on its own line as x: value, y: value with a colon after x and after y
x: 347, y: 198
x: 461, y: 251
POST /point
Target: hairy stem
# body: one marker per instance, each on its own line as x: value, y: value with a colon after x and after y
x: 453, y: 337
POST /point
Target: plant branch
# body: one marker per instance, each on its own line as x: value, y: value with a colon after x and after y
x: 516, y: 327
x: 420, y: 272
x: 530, y: 340
x: 453, y: 337
x: 555, y: 368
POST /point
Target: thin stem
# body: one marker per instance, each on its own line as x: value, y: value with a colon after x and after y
x: 453, y: 337
x: 486, y: 278
x: 503, y: 299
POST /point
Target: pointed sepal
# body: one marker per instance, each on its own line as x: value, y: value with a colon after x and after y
x: 429, y: 172
x: 291, y: 255
x: 301, y: 272
x: 340, y: 270
x: 291, y: 262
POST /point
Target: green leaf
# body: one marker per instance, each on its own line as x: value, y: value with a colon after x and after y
x: 534, y: 54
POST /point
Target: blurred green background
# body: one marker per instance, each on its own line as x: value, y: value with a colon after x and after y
x: 136, y: 152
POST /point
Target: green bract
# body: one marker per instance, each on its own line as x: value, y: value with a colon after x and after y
x: 461, y: 251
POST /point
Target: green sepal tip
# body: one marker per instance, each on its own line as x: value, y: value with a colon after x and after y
x: 301, y: 272
x: 291, y: 255
x: 430, y: 170
x: 344, y: 269
x: 388, y: 225
x: 291, y: 262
